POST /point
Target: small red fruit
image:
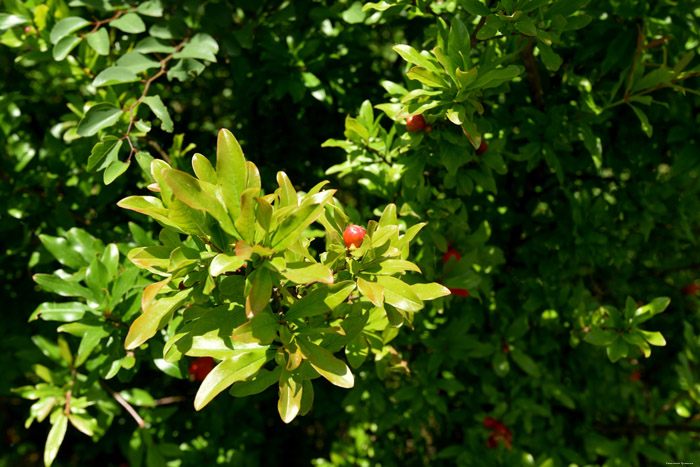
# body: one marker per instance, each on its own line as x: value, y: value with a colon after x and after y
x: 354, y: 235
x: 428, y: 128
x: 415, y: 123
x: 635, y: 376
x: 201, y: 367
x: 691, y: 289
x: 482, y: 148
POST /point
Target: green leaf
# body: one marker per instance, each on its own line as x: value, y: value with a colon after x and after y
x: 331, y: 368
x: 373, y: 291
x: 137, y: 62
x: 525, y: 363
x: 355, y: 14
x: 154, y: 317
x: 64, y: 46
x: 153, y: 45
x: 306, y: 273
x: 130, y: 23
x: 651, y: 309
x: 185, y: 70
x: 66, y: 311
x: 67, y: 26
x: 230, y: 370
x: 65, y: 252
x: 55, y: 438
x: 597, y: 336
x: 399, y: 294
x: 260, y: 292
x: 411, y: 55
x: 197, y: 195
x: 96, y: 277
x: 322, y: 299
x: 646, y: 126
x: 290, y: 391
x: 82, y: 423
x: 653, y: 337
x: 549, y: 57
x: 526, y: 26
x: 357, y: 351
x: 264, y: 214
x: 225, y: 263
x: 114, y: 170
x: 261, y: 329
x: 617, y: 349
x: 203, y: 169
x: 430, y: 291
x: 151, y: 8
x: 500, y: 364
x: 292, y: 227
x: 496, y: 77
x: 104, y: 153
x: 202, y: 46
x: 159, y: 109
x: 261, y: 381
x: 459, y: 45
x: 99, y: 116
x: 427, y: 77
x: 245, y: 223
x: 99, y: 41
x: 287, y: 193
x: 390, y: 266
x: 8, y: 21
x: 231, y: 171
x: 62, y: 287
x: 149, y: 205
x: 475, y: 7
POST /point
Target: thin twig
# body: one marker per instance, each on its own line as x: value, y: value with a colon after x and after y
x: 161, y: 72
x: 134, y: 414
x: 169, y: 400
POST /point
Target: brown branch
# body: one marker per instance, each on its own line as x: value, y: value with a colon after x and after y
x: 637, y: 53
x: 473, y: 41
x: 161, y: 72
x: 533, y: 76
x: 169, y: 400
x: 134, y: 414
x: 100, y: 22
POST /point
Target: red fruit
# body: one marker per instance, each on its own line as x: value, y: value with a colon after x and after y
x: 415, y: 123
x: 691, y: 289
x: 482, y: 148
x: 635, y: 376
x: 490, y: 422
x: 428, y: 128
x: 201, y: 367
x: 354, y: 235
x: 449, y: 254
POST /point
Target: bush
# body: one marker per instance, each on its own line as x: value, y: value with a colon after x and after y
x: 523, y: 232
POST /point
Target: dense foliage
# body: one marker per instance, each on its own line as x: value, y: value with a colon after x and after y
x: 500, y: 268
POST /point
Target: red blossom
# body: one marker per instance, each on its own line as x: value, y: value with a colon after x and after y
x: 499, y: 433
